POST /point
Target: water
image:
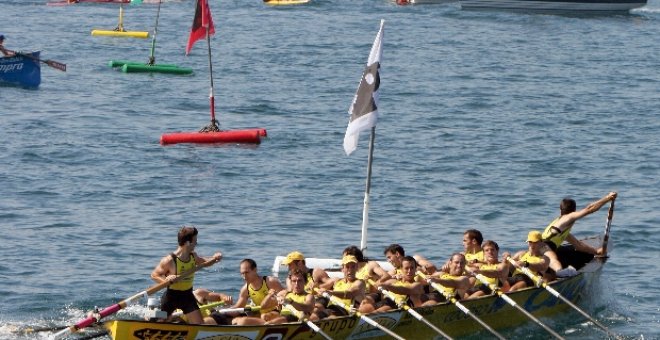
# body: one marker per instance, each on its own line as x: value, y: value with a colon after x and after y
x: 488, y: 119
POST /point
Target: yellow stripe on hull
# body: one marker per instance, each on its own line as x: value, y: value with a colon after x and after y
x: 125, y: 34
x: 491, y: 309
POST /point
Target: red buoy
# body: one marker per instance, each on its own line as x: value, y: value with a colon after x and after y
x: 248, y: 136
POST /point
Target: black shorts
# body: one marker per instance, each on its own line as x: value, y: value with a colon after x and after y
x: 181, y: 299
x: 551, y: 245
x: 221, y: 319
x: 391, y: 304
x: 373, y: 297
x: 320, y: 300
x: 332, y: 310
x: 435, y: 296
x: 520, y: 277
x: 482, y: 287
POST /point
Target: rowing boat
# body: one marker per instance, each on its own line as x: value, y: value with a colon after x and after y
x: 73, y: 2
x: 285, y: 2
x: 555, y: 6
x: 21, y: 69
x: 446, y: 316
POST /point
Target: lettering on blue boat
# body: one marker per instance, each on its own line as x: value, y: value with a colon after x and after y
x: 6, y: 68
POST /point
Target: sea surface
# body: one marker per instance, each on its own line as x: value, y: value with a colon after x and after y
x: 487, y: 120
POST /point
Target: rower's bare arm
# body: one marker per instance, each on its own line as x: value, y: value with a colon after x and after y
x: 426, y: 266
x: 215, y: 258
x: 540, y: 266
x: 458, y: 283
x: 275, y: 284
x: 357, y: 290
x: 593, y: 207
x: 162, y: 271
x: 376, y: 270
x: 242, y: 298
x: 320, y: 276
x: 307, y: 307
x: 328, y: 284
x: 583, y: 247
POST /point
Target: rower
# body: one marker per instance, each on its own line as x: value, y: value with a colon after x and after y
x: 260, y: 290
x: 348, y: 289
x: 495, y: 271
x: 455, y: 281
x: 532, y: 258
x: 406, y: 289
x: 5, y: 52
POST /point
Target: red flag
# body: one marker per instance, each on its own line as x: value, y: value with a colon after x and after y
x: 201, y: 23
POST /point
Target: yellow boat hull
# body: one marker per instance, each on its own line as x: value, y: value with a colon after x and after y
x: 124, y: 34
x: 491, y: 309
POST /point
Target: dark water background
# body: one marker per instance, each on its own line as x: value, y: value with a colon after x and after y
x: 488, y: 119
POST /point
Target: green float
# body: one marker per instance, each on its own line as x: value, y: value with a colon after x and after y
x: 173, y: 69
x: 150, y: 66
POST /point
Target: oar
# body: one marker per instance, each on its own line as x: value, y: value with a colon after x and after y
x: 245, y: 309
x: 202, y: 307
x: 460, y: 306
x: 51, y: 63
x: 390, y: 295
x: 608, y: 225
x: 301, y: 316
x: 122, y: 304
x: 365, y: 318
x: 46, y: 329
x: 506, y: 298
x: 539, y: 282
x: 57, y: 328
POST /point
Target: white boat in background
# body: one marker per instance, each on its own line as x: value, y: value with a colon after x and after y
x: 568, y: 6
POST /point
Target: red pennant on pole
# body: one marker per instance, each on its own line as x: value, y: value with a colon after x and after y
x: 201, y: 23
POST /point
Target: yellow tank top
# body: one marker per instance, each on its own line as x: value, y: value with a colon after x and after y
x: 557, y: 239
x: 476, y: 257
x: 400, y: 299
x: 309, y: 286
x: 299, y: 298
x: 342, y: 286
x: 530, y: 259
x: 491, y: 280
x: 258, y: 295
x: 449, y: 290
x: 363, y: 274
x: 187, y: 282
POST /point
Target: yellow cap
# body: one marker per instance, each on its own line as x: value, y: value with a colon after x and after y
x: 534, y: 236
x: 348, y: 259
x: 293, y: 256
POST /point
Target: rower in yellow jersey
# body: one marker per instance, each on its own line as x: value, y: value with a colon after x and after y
x: 406, y: 289
x: 180, y: 294
x: 260, y: 290
x: 348, y: 289
x: 533, y: 259
x: 495, y: 271
x: 454, y: 279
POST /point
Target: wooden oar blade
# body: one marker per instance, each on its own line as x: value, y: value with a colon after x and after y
x: 56, y: 65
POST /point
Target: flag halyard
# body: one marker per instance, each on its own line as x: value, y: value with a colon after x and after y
x: 202, y: 23
x: 364, y: 108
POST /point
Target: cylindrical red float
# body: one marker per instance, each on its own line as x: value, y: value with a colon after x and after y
x: 248, y: 136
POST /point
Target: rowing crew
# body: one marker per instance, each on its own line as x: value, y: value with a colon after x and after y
x: 366, y: 287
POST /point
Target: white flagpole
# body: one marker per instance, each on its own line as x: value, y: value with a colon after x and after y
x: 365, y: 209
